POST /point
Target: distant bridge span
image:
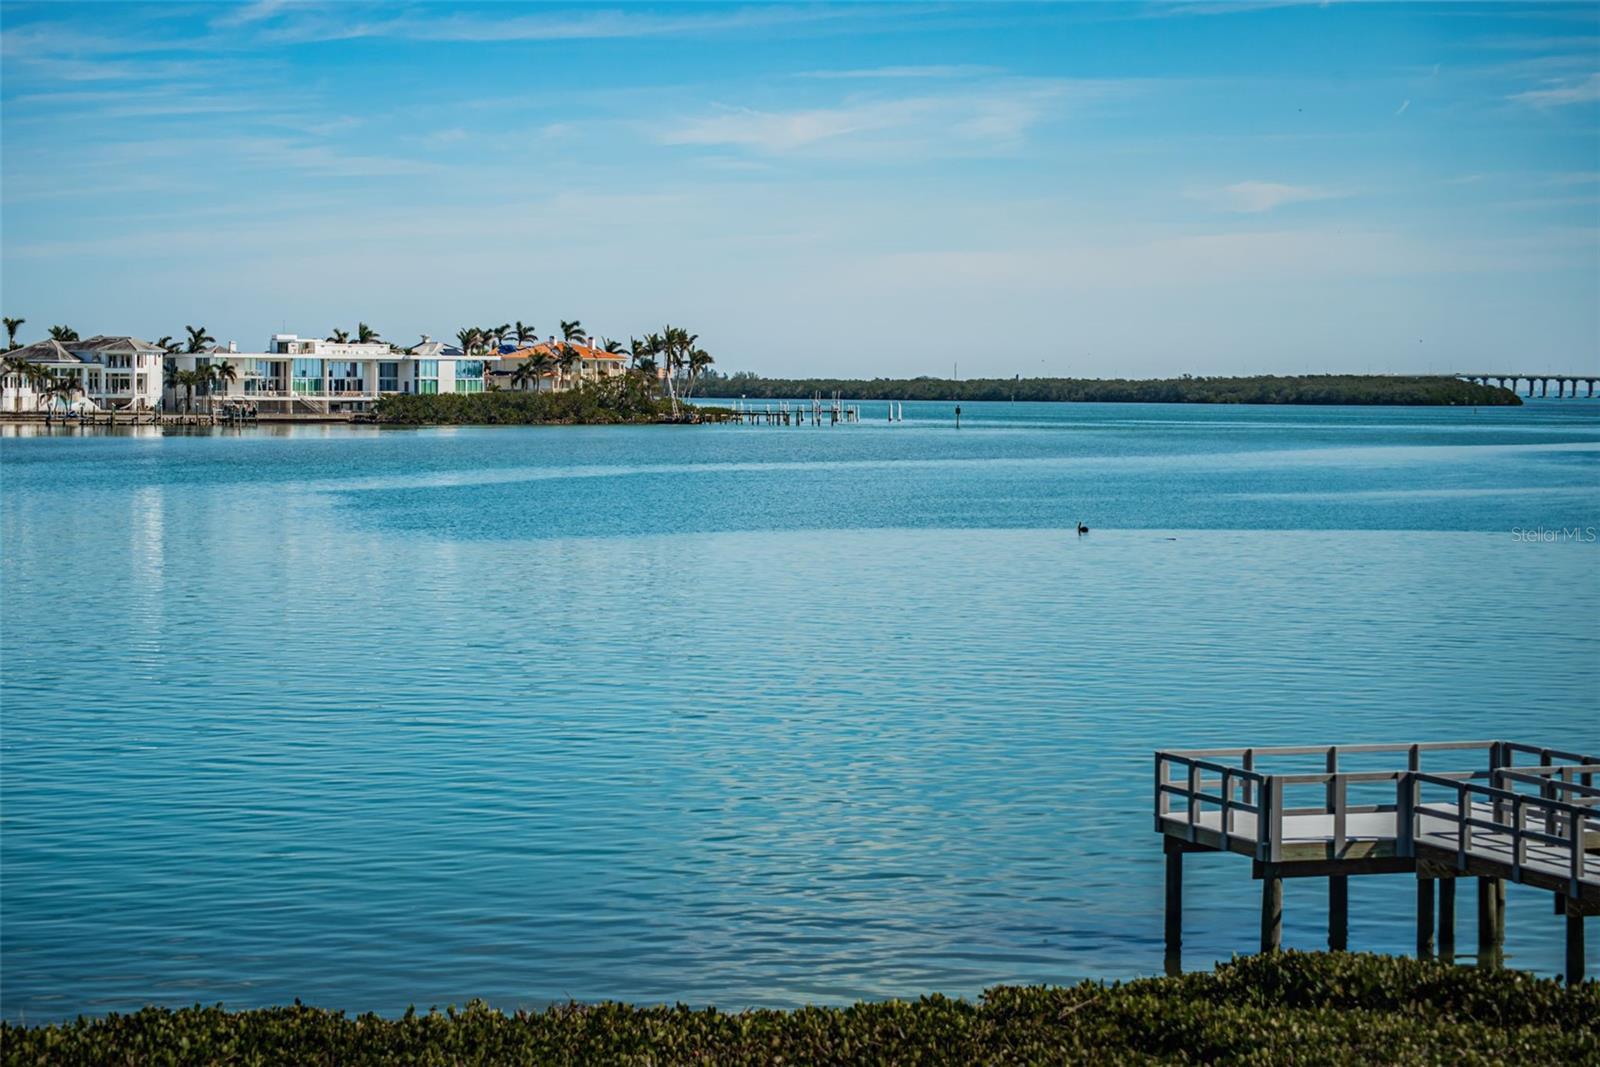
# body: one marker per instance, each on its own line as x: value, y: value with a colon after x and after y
x: 1543, y: 381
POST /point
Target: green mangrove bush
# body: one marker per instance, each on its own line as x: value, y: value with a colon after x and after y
x: 1264, y: 389
x: 1289, y: 1008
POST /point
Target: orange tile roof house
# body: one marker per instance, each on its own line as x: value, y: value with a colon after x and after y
x: 593, y: 364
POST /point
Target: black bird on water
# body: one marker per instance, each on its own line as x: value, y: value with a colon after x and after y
x: 1082, y: 529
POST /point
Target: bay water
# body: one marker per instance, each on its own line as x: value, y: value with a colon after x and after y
x: 737, y: 715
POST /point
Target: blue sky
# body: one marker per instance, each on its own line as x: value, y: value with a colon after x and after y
x: 874, y: 189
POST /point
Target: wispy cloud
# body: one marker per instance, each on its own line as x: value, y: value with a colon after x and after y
x: 1403, y: 108
x: 954, y: 70
x: 986, y: 116
x: 422, y: 23
x: 1586, y: 91
x: 1254, y: 197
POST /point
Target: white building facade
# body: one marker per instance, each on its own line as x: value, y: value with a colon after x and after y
x: 313, y: 376
x: 111, y: 374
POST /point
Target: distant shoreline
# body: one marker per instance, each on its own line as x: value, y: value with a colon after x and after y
x: 1328, y: 389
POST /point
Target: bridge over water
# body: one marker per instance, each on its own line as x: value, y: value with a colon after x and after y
x: 1543, y: 381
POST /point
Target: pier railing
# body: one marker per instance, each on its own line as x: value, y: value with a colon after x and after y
x: 1490, y: 811
x: 1516, y: 827
x: 1244, y: 805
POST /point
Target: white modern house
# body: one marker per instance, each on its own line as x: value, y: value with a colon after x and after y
x: 112, y: 374
x: 314, y: 376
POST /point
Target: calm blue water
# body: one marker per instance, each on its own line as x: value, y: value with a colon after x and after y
x: 736, y: 715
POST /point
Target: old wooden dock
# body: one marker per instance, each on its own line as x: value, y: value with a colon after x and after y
x: 1495, y: 811
x: 815, y: 411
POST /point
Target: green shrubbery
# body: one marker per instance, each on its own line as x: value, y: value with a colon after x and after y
x: 621, y: 399
x: 1263, y: 389
x: 1291, y: 1008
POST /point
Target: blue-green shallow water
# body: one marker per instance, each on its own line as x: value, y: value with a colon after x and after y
x: 736, y: 715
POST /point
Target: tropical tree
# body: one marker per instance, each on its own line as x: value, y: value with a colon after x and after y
x: 220, y: 374
x: 469, y: 337
x: 198, y: 339
x: 12, y: 326
x: 608, y: 345
x: 166, y: 342
x: 63, y: 333
x: 674, y: 346
x: 30, y: 373
x: 187, y: 380
x: 524, y: 333
x: 533, y: 369
x: 570, y: 359
x: 339, y: 336
x: 573, y: 331
x: 698, y: 361
x: 60, y: 385
x: 645, y: 367
x: 365, y: 334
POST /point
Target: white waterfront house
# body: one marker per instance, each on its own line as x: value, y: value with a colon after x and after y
x: 112, y: 374
x: 310, y: 375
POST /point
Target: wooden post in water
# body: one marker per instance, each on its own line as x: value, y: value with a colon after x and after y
x: 1339, y: 913
x: 1499, y: 915
x: 1424, y: 918
x: 1574, y: 946
x: 1271, y: 908
x: 1488, y: 939
x: 1174, y: 925
x: 1447, y: 918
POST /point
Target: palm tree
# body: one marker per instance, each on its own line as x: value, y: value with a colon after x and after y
x: 531, y: 370
x: 198, y: 339
x: 11, y: 331
x: 570, y: 358
x: 497, y: 334
x: 699, y: 360
x: 30, y: 373
x: 469, y: 337
x: 572, y: 331
x: 524, y: 333
x: 169, y: 344
x: 676, y: 344
x: 339, y: 337
x: 188, y: 379
x: 60, y: 385
x: 645, y: 367
x: 63, y: 333
x: 365, y: 334
x: 221, y: 374
x: 608, y: 345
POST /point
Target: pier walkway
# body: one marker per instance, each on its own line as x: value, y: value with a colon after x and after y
x: 1496, y: 811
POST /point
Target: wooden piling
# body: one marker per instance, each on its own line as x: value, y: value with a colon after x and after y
x: 1499, y: 914
x: 1574, y: 946
x: 1488, y: 922
x: 1338, y: 913
x: 1174, y: 931
x: 1271, y: 908
x: 1425, y: 918
x: 1447, y: 918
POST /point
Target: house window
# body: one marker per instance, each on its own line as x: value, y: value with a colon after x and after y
x: 308, y: 376
x: 469, y: 376
x: 427, y: 376
x: 388, y: 377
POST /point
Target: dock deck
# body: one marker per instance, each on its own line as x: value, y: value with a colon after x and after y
x: 1497, y: 811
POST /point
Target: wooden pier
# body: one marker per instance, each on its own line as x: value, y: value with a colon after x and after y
x: 816, y: 411
x: 1493, y: 811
